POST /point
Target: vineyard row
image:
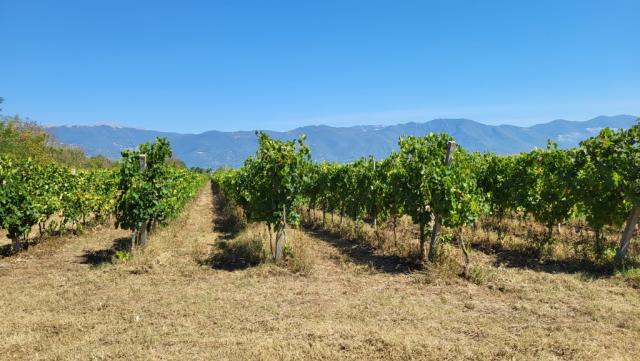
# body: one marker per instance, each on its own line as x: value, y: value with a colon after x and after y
x: 55, y: 197
x: 439, y: 184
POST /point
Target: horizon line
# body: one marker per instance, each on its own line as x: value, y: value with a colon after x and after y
x: 379, y: 126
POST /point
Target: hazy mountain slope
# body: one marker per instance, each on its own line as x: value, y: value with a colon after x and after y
x: 214, y: 148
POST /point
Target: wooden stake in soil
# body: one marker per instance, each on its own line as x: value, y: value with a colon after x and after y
x: 465, y: 252
x: 625, y: 239
x: 16, y: 244
x: 281, y: 235
x: 142, y: 231
x: 270, y: 238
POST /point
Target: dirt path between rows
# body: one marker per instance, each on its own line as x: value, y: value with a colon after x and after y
x: 66, y: 300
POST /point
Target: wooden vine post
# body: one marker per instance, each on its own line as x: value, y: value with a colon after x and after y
x: 629, y: 228
x: 142, y: 228
x: 16, y: 244
x: 281, y: 236
x: 375, y: 216
x: 437, y: 224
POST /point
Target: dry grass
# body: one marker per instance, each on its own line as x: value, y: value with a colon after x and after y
x: 404, y: 244
x: 253, y: 246
x: 516, y: 241
x: 61, y: 303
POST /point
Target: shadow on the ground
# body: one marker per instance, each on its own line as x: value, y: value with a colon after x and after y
x: 364, y: 254
x: 230, y: 253
x: 7, y: 251
x: 103, y: 256
x: 48, y: 236
x: 527, y: 259
x: 227, y: 218
x: 233, y: 255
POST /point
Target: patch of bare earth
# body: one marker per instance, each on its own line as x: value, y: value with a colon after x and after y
x: 71, y: 302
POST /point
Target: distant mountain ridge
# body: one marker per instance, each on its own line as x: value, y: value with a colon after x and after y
x: 213, y: 149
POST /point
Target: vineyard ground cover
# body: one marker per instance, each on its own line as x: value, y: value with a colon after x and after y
x: 374, y: 248
x: 163, y: 304
x: 571, y: 252
x: 364, y: 254
x: 47, y: 241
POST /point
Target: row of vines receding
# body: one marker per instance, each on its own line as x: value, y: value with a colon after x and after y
x: 56, y: 198
x: 441, y: 187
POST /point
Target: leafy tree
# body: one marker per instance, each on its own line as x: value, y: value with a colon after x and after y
x: 99, y: 162
x: 23, y: 140
x: 175, y: 162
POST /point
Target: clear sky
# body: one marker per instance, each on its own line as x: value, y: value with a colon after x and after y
x: 191, y: 66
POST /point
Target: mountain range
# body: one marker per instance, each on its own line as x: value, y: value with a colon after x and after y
x: 213, y: 149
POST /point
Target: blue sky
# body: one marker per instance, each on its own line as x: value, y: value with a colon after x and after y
x: 192, y: 66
